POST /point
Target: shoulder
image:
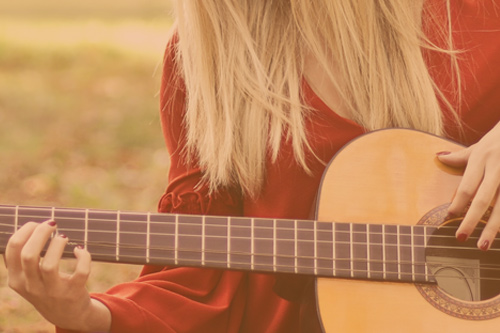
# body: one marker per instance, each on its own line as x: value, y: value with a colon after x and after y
x: 172, y: 96
x: 171, y: 75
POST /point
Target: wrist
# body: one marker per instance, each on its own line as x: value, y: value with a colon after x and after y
x: 97, y: 318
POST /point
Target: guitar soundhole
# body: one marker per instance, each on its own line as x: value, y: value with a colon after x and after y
x: 460, y: 268
x: 468, y: 279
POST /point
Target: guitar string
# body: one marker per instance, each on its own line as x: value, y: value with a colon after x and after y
x: 264, y: 228
x: 302, y: 269
x: 166, y: 223
x: 407, y: 276
x: 361, y: 244
x: 48, y: 212
x: 110, y: 245
x: 260, y: 228
x: 319, y: 232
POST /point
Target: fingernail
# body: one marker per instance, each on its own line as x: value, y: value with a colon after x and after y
x: 442, y: 153
x: 79, y: 247
x: 52, y: 223
x: 63, y: 236
x: 485, y: 245
x: 462, y: 237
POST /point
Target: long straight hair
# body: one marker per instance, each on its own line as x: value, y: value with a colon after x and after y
x: 243, y: 61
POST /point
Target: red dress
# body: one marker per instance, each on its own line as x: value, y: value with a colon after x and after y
x: 169, y: 299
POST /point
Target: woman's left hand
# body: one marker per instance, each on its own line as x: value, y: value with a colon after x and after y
x: 60, y: 297
x: 480, y: 186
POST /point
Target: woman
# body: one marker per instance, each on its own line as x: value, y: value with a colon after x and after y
x: 255, y: 99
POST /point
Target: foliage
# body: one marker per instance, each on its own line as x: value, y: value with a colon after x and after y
x: 79, y: 124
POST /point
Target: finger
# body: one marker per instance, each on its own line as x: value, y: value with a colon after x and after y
x: 49, y: 268
x: 480, y: 204
x: 455, y: 159
x: 15, y: 245
x: 467, y: 188
x: 491, y: 230
x: 82, y: 269
x: 30, y: 254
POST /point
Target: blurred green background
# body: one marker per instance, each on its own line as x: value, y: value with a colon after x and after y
x: 79, y: 125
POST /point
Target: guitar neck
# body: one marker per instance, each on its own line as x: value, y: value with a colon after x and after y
x: 346, y: 250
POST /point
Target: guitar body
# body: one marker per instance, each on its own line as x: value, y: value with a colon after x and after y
x: 396, y: 180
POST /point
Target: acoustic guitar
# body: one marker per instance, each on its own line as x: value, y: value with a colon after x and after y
x: 382, y: 245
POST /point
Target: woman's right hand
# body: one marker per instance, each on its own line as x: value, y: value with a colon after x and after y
x: 60, y: 297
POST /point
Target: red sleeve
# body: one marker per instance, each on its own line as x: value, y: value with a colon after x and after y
x: 170, y: 299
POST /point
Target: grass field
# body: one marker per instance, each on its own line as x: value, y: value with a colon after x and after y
x: 79, y: 124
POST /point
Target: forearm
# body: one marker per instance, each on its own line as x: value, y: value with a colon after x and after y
x: 96, y: 319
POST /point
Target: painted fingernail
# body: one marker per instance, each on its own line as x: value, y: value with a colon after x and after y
x: 462, y: 237
x: 79, y: 247
x: 52, y: 223
x: 442, y: 153
x: 63, y: 236
x: 485, y: 245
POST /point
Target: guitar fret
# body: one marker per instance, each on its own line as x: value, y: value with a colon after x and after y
x: 398, y: 251
x: 16, y: 219
x: 425, y: 265
x: 315, y: 235
x: 86, y: 231
x: 252, y: 244
x: 148, y: 236
x: 228, y: 243
x: 412, y: 255
x: 296, y: 269
x: 203, y: 222
x: 351, y: 249
x: 53, y: 218
x: 334, y: 252
x: 118, y: 236
x: 368, y: 259
x: 384, y: 257
x: 176, y: 241
x: 274, y: 246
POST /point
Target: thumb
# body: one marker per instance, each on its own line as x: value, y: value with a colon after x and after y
x: 454, y: 159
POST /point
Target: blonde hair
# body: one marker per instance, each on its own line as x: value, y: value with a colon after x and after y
x: 243, y: 62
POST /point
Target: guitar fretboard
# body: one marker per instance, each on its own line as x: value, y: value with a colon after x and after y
x: 359, y: 251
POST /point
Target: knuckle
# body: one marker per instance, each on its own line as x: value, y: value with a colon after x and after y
x: 32, y: 290
x: 46, y: 268
x: 81, y: 274
x: 29, y: 258
x: 482, y: 202
x: 466, y: 192
x: 15, y: 244
x: 15, y: 285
